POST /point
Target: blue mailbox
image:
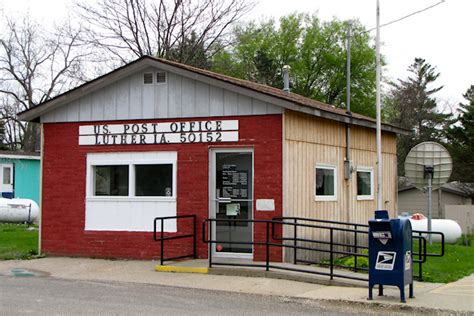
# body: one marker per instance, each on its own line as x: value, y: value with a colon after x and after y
x: 390, y: 253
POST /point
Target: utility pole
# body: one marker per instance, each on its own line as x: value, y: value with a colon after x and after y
x: 379, y: 118
x: 347, y: 161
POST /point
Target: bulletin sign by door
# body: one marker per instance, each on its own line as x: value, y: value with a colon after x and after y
x: 234, y: 182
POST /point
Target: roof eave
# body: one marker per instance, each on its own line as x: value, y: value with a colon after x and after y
x: 34, y: 114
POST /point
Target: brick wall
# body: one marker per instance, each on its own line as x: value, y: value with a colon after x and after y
x: 64, y: 186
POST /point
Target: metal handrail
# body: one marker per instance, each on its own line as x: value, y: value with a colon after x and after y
x: 163, y: 238
x: 416, y: 234
x: 422, y: 251
x: 267, y: 243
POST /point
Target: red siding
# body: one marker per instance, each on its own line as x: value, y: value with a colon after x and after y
x: 64, y: 186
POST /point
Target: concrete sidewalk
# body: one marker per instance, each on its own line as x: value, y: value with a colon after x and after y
x: 457, y: 296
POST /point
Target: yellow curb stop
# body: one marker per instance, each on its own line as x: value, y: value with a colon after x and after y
x: 201, y: 270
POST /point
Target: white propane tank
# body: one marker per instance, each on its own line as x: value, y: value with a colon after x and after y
x: 451, y: 230
x: 18, y: 210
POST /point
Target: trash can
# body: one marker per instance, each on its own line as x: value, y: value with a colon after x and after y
x: 390, y: 253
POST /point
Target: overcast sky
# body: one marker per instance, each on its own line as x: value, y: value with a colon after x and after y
x: 441, y: 35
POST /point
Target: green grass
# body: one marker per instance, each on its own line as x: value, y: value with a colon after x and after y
x: 17, y: 242
x: 457, y: 262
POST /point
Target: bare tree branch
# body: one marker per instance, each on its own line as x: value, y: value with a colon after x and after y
x: 175, y: 29
x: 34, y: 66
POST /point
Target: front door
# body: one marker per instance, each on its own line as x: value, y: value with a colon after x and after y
x: 232, y: 198
x: 6, y: 174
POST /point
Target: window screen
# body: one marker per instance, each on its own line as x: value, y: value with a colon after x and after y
x: 364, y: 185
x: 154, y: 180
x: 111, y: 180
x: 325, y: 182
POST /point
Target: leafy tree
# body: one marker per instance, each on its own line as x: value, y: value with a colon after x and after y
x: 461, y: 140
x: 192, y: 50
x: 411, y: 105
x: 316, y: 53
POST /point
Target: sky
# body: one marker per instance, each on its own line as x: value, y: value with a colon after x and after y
x: 441, y: 35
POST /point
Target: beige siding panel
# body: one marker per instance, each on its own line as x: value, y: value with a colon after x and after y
x: 309, y: 141
x: 364, y: 138
x: 415, y: 201
x: 306, y: 128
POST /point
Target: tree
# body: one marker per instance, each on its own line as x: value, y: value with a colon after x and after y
x: 34, y: 66
x: 179, y: 30
x: 411, y: 105
x: 316, y: 53
x: 461, y: 140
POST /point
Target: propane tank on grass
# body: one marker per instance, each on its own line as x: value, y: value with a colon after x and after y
x: 18, y: 210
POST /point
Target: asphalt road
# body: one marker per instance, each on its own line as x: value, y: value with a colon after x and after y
x: 51, y: 296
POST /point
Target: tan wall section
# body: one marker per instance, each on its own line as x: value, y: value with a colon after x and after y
x: 464, y: 215
x: 416, y: 201
x: 310, y: 140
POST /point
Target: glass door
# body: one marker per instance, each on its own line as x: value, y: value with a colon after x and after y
x: 232, y: 191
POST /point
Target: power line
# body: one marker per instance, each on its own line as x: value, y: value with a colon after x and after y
x: 407, y: 16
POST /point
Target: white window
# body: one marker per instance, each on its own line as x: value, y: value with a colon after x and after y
x: 151, y: 179
x: 126, y: 191
x: 326, y: 182
x: 365, y: 183
x: 7, y: 175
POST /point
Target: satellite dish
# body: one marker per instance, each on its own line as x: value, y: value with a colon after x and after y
x: 428, y: 166
x: 421, y: 159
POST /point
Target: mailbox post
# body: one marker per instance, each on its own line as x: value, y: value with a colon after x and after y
x: 390, y: 254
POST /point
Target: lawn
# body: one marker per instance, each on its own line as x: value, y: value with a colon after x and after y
x: 457, y: 262
x: 18, y: 242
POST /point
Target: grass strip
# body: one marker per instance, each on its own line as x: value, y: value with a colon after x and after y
x: 17, y: 241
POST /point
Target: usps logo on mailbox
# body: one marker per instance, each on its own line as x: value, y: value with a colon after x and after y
x: 382, y: 236
x: 385, y: 260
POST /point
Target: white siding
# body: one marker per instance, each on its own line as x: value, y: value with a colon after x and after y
x: 129, y: 98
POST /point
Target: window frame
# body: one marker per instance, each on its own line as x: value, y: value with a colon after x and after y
x: 129, y: 159
x: 326, y: 197
x: 94, y: 182
x: 371, y: 171
x: 10, y: 178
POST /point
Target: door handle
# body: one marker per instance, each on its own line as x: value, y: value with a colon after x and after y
x: 224, y: 200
